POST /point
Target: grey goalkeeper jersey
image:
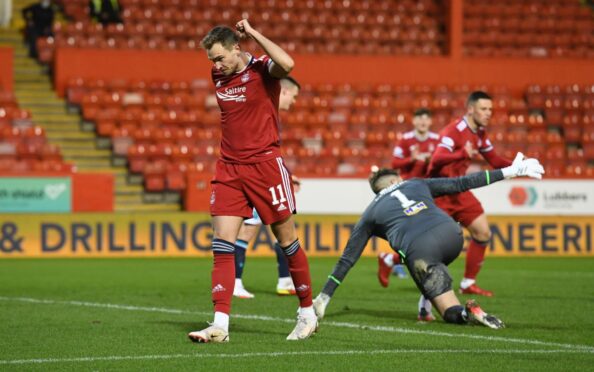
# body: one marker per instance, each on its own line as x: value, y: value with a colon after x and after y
x: 403, y: 212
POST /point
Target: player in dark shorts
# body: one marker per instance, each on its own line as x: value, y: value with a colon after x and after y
x: 425, y: 237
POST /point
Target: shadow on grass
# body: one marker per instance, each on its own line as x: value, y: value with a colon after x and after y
x: 372, y: 313
x: 237, y: 326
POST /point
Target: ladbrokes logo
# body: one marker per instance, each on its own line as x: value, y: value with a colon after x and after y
x: 520, y: 196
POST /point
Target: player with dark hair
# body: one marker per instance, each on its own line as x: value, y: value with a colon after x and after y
x: 425, y: 237
x: 411, y: 158
x: 251, y: 172
x: 460, y: 142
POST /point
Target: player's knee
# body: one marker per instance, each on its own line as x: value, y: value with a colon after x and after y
x: 482, y: 236
x: 454, y: 314
x: 434, y: 279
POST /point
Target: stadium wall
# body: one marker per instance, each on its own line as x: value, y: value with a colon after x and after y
x: 111, y: 235
x: 54, y: 192
x: 514, y: 73
x: 6, y: 69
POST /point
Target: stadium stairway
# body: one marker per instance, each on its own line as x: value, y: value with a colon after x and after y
x: 34, y: 92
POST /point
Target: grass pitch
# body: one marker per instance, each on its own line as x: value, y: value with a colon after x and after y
x: 133, y: 314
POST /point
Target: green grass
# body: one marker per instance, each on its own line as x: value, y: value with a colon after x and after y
x: 540, y: 299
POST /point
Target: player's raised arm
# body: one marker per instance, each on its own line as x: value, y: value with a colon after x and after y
x: 520, y: 167
x: 282, y: 63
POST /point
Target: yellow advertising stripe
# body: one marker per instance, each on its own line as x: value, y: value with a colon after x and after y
x: 189, y: 234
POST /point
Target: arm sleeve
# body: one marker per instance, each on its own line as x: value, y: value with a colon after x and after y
x: 443, y: 156
x: 495, y: 160
x: 399, y: 163
x: 355, y: 246
x: 444, y: 186
x: 401, y: 156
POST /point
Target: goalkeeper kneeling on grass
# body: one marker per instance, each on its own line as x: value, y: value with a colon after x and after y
x: 427, y: 239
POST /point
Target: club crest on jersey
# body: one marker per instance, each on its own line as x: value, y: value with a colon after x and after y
x: 245, y: 77
x: 414, y: 209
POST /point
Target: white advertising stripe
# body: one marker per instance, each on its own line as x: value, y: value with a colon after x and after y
x: 520, y: 197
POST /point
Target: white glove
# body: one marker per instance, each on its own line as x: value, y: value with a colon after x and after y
x: 524, y: 167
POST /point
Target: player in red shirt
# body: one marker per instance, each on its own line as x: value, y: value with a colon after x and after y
x: 460, y: 141
x: 411, y: 158
x: 250, y: 173
x: 412, y: 153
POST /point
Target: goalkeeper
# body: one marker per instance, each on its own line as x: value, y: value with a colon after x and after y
x: 427, y: 239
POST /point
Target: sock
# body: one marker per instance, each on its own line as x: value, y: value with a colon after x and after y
x: 455, y: 314
x: 221, y: 320
x: 282, y: 263
x: 390, y: 259
x: 465, y: 283
x: 299, y: 269
x: 223, y: 275
x: 307, y: 312
x: 425, y: 304
x: 474, y: 258
x: 240, y: 248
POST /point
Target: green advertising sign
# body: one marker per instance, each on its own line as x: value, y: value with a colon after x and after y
x: 35, y: 194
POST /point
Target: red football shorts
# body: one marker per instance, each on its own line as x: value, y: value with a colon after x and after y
x: 463, y: 207
x: 266, y: 186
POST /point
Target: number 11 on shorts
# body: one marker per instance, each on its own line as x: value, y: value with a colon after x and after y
x: 275, y: 199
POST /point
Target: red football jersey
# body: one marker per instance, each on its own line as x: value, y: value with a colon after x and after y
x: 451, y: 160
x: 249, y: 113
x: 402, y: 160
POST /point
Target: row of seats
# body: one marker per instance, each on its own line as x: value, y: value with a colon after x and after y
x: 23, y: 145
x: 333, y: 129
x: 556, y: 28
x: 380, y: 27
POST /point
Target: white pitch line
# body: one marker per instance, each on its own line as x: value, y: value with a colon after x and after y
x: 586, y: 348
x: 281, y: 354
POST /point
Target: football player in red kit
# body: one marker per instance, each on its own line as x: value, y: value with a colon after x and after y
x: 412, y: 153
x: 250, y: 172
x: 460, y: 141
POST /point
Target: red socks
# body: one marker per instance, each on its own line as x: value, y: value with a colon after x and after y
x: 299, y: 269
x: 474, y: 258
x: 223, y: 275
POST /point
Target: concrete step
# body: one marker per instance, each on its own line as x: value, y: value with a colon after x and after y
x: 36, y: 103
x: 66, y: 142
x: 57, y: 127
x: 71, y: 135
x: 90, y: 158
x: 128, y: 189
x: 87, y: 163
x: 52, y: 119
x: 34, y: 93
x: 52, y: 112
x: 29, y: 79
x: 128, y: 198
x: 84, y: 152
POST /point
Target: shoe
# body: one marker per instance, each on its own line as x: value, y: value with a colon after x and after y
x: 399, y: 271
x: 285, y: 287
x: 210, y: 334
x: 319, y: 305
x: 383, y: 271
x: 477, y: 315
x: 476, y: 290
x: 306, y: 326
x: 425, y: 316
x: 241, y: 292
